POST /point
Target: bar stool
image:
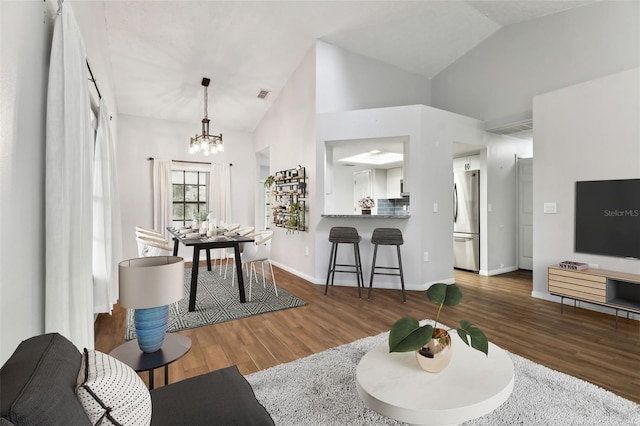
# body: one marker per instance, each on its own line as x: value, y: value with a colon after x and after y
x: 387, y: 237
x: 344, y: 235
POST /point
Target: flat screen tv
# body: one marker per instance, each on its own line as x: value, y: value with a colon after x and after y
x: 608, y: 218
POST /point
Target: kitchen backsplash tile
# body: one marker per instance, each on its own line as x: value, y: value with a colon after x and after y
x: 395, y: 206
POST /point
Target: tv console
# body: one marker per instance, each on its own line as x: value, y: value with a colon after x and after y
x: 616, y: 290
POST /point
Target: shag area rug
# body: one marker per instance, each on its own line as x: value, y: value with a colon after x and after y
x: 321, y: 390
x: 217, y: 301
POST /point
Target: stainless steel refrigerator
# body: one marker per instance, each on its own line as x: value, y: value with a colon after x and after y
x: 466, y: 220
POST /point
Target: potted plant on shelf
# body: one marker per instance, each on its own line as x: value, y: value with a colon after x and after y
x: 295, y: 220
x: 269, y: 181
x: 433, y: 344
x: 366, y: 204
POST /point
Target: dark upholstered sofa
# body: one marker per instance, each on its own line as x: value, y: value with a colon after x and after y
x: 38, y: 386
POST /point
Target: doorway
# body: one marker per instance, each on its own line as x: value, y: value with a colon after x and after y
x: 362, y: 186
x: 525, y: 213
x: 262, y: 213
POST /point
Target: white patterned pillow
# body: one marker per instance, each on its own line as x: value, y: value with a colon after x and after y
x: 111, y: 392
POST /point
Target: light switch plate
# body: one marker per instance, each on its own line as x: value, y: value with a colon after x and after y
x: 550, y: 208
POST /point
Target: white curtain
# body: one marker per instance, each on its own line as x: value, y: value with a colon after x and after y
x: 220, y: 192
x: 69, y: 187
x: 162, y: 196
x: 107, y: 228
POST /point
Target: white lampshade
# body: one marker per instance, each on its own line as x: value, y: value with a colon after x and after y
x: 149, y: 282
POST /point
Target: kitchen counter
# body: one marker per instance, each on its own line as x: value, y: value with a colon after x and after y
x: 367, y: 216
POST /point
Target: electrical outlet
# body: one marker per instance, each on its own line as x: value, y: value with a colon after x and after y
x: 425, y: 256
x: 306, y: 251
x: 435, y: 207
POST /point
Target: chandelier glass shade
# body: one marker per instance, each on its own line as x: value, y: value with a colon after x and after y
x: 205, y: 142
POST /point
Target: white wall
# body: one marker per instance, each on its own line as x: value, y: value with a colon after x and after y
x: 497, y: 80
x: 288, y: 129
x: 339, y: 88
x: 90, y: 17
x: 348, y: 81
x: 140, y: 138
x: 431, y: 134
x: 25, y: 35
x: 432, y: 173
x: 588, y: 131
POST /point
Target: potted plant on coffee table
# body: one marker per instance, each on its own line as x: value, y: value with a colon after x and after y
x: 431, y: 343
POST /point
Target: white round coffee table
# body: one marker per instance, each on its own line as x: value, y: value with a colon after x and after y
x: 472, y: 385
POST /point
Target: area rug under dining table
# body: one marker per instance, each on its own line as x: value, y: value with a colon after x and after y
x: 320, y: 390
x: 217, y: 301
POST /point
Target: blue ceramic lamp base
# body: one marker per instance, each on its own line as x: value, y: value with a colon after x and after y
x: 151, y: 326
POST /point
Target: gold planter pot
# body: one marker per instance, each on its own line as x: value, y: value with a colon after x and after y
x: 436, y: 354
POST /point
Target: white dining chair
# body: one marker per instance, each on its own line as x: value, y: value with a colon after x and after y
x: 146, y: 238
x: 160, y: 238
x: 243, y: 231
x: 149, y: 246
x: 257, y: 251
x: 231, y: 227
x: 149, y: 232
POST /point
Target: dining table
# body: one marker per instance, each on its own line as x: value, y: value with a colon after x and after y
x: 203, y: 242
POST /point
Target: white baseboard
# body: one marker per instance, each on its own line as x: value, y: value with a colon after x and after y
x: 295, y: 272
x: 352, y: 283
x: 498, y: 271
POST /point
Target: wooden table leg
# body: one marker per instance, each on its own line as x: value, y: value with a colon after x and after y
x: 236, y: 251
x: 151, y: 379
x: 194, y: 278
x: 208, y: 259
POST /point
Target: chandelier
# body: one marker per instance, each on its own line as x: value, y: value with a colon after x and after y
x: 206, y: 143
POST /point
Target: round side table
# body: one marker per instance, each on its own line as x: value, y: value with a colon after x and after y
x: 175, y: 346
x: 472, y: 385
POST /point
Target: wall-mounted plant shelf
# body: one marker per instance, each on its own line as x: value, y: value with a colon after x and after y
x: 290, y: 199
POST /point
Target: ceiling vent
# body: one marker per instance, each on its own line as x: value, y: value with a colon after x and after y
x: 521, y: 129
x: 263, y: 94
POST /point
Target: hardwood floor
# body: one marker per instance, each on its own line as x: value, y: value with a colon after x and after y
x: 579, y: 342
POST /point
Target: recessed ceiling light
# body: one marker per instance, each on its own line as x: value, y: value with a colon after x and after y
x: 374, y: 157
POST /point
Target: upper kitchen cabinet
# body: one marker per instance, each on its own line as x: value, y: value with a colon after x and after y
x: 394, y: 182
x: 466, y: 163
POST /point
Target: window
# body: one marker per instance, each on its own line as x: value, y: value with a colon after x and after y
x: 190, y: 190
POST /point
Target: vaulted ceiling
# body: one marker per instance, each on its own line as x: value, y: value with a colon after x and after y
x: 160, y: 50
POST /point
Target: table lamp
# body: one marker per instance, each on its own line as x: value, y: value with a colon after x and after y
x: 149, y: 285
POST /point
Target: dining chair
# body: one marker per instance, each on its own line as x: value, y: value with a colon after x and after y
x: 243, y: 231
x: 149, y: 232
x: 146, y: 238
x: 148, y: 246
x: 257, y: 251
x: 158, y: 237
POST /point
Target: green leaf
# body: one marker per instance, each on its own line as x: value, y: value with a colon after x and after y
x: 406, y: 335
x: 473, y: 336
x: 447, y: 294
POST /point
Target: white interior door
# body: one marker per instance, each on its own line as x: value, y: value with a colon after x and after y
x: 362, y: 187
x: 525, y: 213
